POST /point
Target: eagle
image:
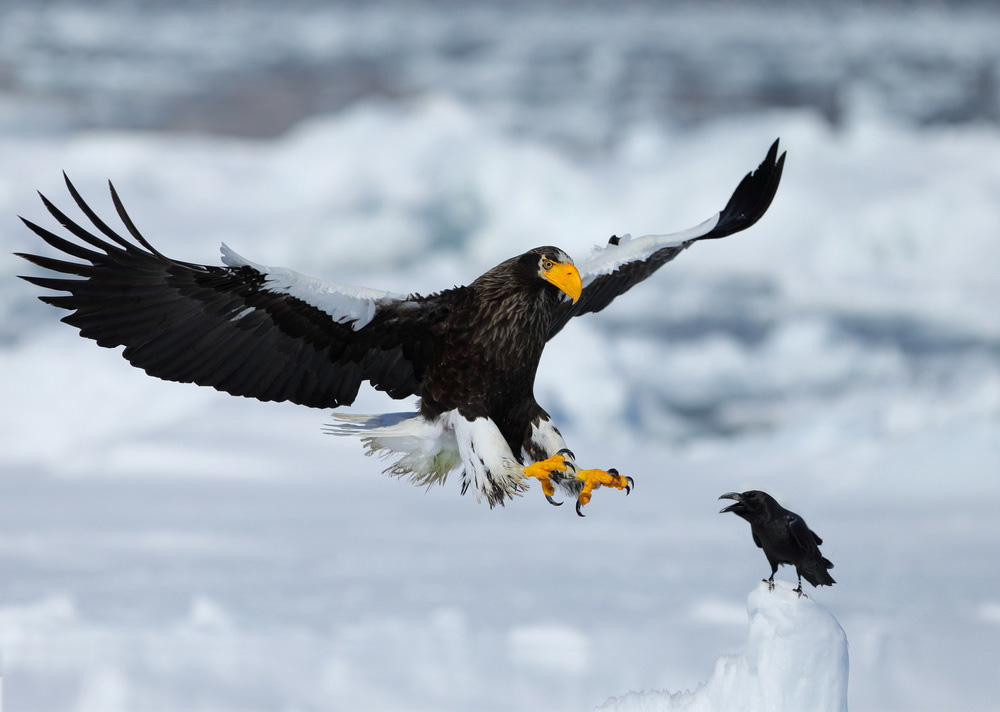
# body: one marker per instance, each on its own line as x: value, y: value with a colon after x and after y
x: 469, y: 354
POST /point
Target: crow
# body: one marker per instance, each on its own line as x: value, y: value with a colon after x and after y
x: 784, y: 537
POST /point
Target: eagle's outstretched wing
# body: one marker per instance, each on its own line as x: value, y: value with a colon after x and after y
x: 246, y: 329
x: 624, y: 262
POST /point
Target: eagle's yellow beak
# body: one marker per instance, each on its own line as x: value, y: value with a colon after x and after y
x: 566, y: 277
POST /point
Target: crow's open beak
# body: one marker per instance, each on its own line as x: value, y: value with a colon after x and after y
x: 732, y: 507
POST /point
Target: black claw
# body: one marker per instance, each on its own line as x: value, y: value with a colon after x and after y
x: 578, y: 505
x: 552, y: 501
x: 629, y: 486
x: 566, y: 452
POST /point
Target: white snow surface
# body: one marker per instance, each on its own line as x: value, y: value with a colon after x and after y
x: 166, y: 547
x: 795, y: 658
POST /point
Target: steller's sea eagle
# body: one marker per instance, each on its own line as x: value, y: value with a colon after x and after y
x: 469, y: 353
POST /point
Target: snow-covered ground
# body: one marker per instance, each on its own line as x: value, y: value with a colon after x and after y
x: 795, y: 658
x: 164, y: 547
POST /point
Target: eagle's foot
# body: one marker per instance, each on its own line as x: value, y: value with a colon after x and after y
x: 592, y: 479
x: 770, y: 583
x: 542, y: 471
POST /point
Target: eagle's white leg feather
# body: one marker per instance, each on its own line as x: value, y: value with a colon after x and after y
x: 490, y: 466
x: 545, y: 441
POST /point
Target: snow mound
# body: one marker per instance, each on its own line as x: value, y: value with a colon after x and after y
x: 795, y: 659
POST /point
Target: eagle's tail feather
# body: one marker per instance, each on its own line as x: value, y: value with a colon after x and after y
x: 426, y: 449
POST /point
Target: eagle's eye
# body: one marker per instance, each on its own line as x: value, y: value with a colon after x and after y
x: 548, y: 264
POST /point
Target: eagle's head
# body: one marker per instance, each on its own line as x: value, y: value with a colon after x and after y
x: 554, y: 266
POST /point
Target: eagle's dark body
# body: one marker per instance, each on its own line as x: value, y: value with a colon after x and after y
x: 484, y: 354
x: 469, y: 353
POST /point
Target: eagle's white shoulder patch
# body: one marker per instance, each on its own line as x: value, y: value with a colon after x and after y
x: 344, y: 303
x: 606, y: 259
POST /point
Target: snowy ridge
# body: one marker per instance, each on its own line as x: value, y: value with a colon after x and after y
x: 795, y: 659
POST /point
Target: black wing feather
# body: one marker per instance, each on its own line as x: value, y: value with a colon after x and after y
x: 800, y: 532
x: 91, y: 215
x: 222, y: 326
x: 746, y: 206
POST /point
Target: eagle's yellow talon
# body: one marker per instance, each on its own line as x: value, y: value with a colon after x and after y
x: 592, y: 479
x: 542, y: 471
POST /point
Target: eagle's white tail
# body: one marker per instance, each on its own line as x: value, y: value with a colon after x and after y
x: 427, y: 449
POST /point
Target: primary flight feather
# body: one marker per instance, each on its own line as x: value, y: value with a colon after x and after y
x: 469, y: 353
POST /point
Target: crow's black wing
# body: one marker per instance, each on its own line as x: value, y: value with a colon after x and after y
x: 809, y: 562
x: 624, y: 262
x: 246, y: 329
x: 801, y: 534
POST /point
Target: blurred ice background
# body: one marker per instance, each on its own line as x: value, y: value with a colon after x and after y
x: 164, y: 547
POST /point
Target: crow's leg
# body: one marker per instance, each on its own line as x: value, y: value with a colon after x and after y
x: 799, y: 589
x: 774, y: 569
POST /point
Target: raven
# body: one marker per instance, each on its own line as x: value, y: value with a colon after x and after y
x: 784, y: 537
